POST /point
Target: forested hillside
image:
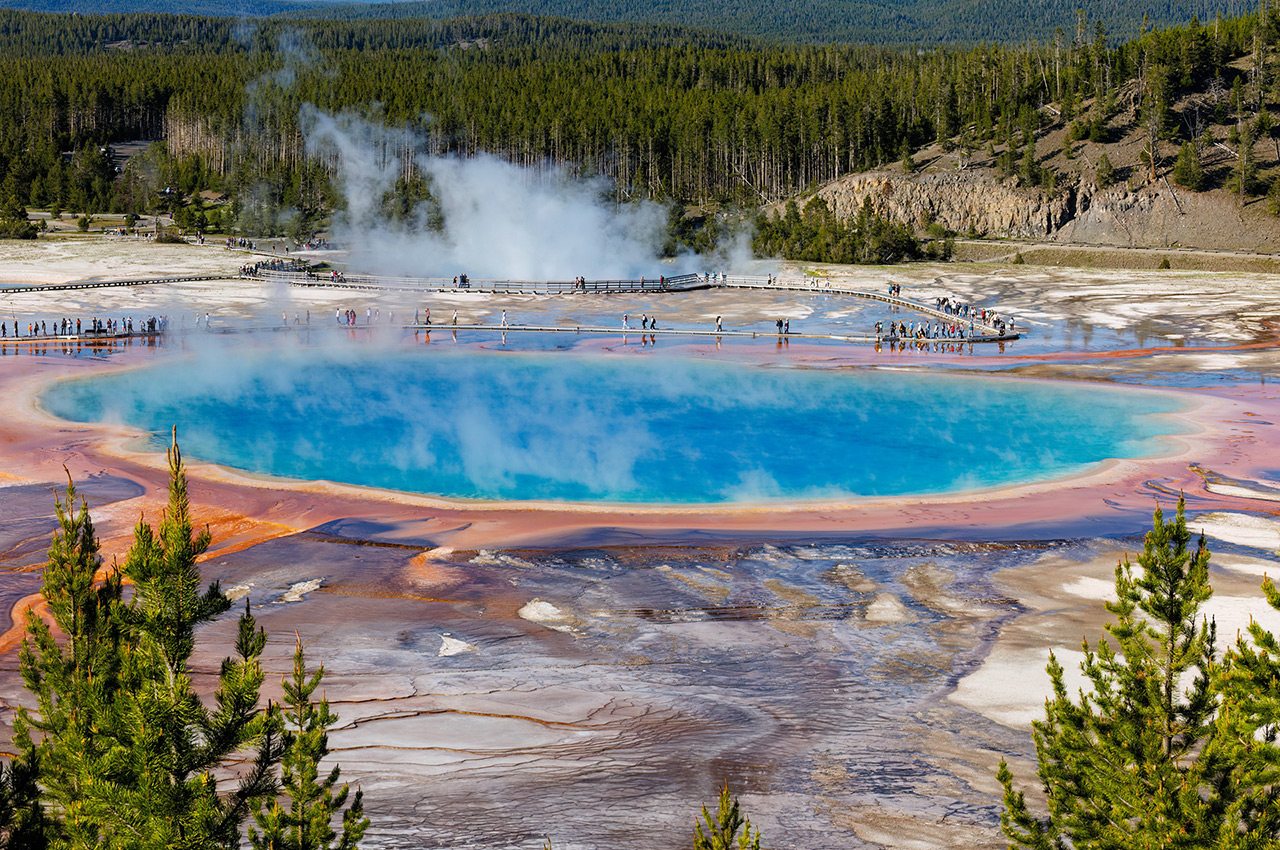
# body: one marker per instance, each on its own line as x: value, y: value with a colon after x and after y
x: 230, y: 8
x: 688, y: 116
x: 882, y: 22
x: 818, y: 21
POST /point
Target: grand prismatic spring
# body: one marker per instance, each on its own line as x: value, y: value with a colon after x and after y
x: 584, y: 579
x: 574, y: 427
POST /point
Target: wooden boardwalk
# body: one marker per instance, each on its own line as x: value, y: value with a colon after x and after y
x: 596, y: 330
x: 699, y: 332
x: 678, y: 283
x: 82, y: 339
x: 980, y: 332
x: 107, y: 340
x: 489, y: 287
x: 102, y: 284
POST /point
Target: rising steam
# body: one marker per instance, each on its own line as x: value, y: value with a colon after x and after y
x: 494, y: 219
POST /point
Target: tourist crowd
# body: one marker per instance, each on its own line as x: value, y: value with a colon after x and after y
x: 968, y: 312
x: 924, y: 330
x: 277, y: 265
x: 80, y: 327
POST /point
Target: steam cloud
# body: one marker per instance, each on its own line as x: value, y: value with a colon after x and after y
x: 499, y: 220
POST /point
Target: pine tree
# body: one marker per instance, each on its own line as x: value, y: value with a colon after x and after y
x: 74, y: 683
x: 1244, y: 746
x: 722, y: 829
x: 1104, y: 172
x: 1245, y: 173
x: 118, y: 750
x: 312, y: 802
x: 158, y: 786
x: 22, y: 819
x: 1030, y: 169
x: 1187, y: 171
x: 1273, y: 196
x: 904, y: 152
x: 1160, y: 751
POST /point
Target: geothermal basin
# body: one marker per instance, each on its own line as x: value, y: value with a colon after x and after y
x: 590, y: 427
x: 612, y: 576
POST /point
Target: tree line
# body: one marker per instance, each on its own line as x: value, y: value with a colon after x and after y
x: 694, y: 118
x: 822, y: 22
x: 817, y: 235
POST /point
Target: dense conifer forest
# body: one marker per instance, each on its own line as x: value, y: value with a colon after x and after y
x: 691, y: 117
x: 815, y: 22
x: 929, y: 22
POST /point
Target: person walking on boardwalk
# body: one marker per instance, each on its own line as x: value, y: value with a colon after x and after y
x: 625, y: 318
x: 718, y: 325
x: 504, y: 318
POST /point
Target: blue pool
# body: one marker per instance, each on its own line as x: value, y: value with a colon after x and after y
x: 618, y: 429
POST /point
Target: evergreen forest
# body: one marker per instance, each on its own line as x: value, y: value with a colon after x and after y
x: 929, y: 22
x: 694, y: 118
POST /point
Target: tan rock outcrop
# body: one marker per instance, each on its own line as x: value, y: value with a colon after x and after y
x: 965, y: 203
x: 975, y: 201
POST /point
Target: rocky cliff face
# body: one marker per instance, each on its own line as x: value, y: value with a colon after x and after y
x: 959, y: 201
x: 975, y: 201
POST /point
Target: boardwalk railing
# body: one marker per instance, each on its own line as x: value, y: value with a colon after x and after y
x: 100, y: 284
x: 813, y: 284
x: 444, y: 284
x: 817, y: 284
x: 677, y: 283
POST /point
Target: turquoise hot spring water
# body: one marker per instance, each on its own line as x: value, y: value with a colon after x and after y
x: 600, y: 428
